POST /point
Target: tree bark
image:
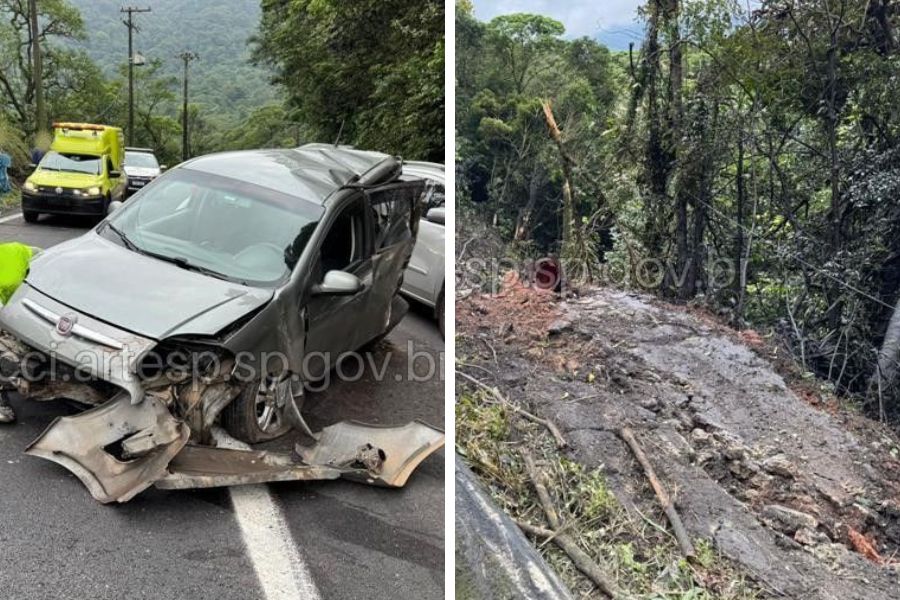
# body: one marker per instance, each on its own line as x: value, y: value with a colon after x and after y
x: 740, y: 200
x: 569, y: 227
x: 889, y: 354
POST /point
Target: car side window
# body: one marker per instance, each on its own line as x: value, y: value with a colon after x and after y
x: 434, y: 195
x: 346, y: 245
x: 397, y: 208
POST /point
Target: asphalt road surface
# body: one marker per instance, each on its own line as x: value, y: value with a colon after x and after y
x: 328, y: 540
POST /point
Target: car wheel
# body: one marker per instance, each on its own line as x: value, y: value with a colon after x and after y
x: 30, y: 216
x: 257, y: 414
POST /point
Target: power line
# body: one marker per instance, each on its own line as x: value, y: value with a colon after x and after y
x: 187, y: 56
x: 132, y: 27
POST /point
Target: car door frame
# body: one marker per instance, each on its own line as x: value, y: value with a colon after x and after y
x: 348, y: 336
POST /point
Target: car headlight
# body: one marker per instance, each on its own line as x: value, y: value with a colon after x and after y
x: 94, y: 191
x: 29, y: 186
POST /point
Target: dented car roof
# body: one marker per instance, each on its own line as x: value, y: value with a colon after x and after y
x: 312, y: 172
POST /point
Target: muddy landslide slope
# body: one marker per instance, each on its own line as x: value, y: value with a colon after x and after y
x: 806, y: 500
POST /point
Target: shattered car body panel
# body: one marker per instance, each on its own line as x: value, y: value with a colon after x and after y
x: 100, y: 319
x: 117, y: 450
x: 380, y: 455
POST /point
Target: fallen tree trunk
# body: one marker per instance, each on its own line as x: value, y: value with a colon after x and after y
x: 684, y: 540
x: 581, y: 559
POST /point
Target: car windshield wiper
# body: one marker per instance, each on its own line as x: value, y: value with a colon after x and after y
x: 125, y: 240
x: 175, y: 260
x: 189, y: 266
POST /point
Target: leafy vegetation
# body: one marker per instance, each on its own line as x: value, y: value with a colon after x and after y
x: 746, y: 158
x: 367, y: 72
x: 260, y: 81
x: 642, y: 558
x: 225, y: 85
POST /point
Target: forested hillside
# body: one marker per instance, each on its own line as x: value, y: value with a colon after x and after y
x: 275, y: 73
x: 744, y: 159
x: 223, y: 82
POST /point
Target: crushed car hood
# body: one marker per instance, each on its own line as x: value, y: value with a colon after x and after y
x: 139, y: 293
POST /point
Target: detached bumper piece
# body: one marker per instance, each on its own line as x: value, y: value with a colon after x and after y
x: 120, y: 449
x: 384, y: 456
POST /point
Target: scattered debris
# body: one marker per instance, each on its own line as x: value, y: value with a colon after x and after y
x: 582, y: 561
x: 768, y: 481
x: 553, y: 429
x: 864, y: 546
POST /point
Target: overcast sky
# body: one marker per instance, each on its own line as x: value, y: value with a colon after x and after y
x: 612, y: 21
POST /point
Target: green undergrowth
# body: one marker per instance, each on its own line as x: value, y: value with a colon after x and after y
x: 9, y: 201
x: 636, y: 549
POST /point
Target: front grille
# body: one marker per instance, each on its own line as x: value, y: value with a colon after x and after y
x: 138, y: 181
x: 60, y: 191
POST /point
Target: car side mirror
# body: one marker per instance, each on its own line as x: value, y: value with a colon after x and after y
x: 163, y: 168
x: 337, y: 283
x: 32, y: 166
x: 436, y: 215
x: 113, y: 207
x: 115, y: 174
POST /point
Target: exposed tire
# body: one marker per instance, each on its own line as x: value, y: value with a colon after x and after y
x: 30, y: 216
x: 255, y: 416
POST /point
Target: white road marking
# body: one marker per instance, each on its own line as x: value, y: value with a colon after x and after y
x: 9, y: 218
x: 281, y: 571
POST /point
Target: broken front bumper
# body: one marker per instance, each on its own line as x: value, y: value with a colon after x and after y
x: 161, y: 436
x: 119, y: 449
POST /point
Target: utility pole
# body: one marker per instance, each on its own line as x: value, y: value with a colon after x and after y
x: 187, y: 56
x: 37, y: 68
x: 131, y: 29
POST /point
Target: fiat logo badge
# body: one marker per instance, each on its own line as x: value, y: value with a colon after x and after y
x: 66, y: 324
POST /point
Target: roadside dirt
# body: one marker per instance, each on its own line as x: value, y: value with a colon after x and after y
x: 800, y: 493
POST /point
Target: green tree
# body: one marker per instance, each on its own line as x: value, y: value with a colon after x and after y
x: 368, y: 73
x: 60, y: 22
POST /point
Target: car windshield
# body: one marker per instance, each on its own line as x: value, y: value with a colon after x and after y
x: 217, y: 225
x: 141, y: 160
x: 72, y: 163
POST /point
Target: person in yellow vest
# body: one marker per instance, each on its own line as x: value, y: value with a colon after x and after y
x: 14, y: 259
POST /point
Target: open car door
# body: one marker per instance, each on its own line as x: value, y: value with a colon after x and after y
x: 396, y: 210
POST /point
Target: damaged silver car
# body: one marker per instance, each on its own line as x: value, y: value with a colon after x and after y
x: 188, y: 321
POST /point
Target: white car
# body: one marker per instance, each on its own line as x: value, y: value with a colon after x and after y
x: 141, y: 167
x: 423, y: 280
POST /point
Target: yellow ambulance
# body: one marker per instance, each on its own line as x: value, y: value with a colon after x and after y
x: 80, y: 174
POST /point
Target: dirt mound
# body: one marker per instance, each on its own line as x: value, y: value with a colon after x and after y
x: 518, y: 312
x: 806, y: 500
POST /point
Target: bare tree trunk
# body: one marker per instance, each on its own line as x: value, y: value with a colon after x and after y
x: 673, y: 138
x: 569, y: 232
x: 741, y: 196
x: 526, y: 214
x: 889, y: 354
x: 657, y: 160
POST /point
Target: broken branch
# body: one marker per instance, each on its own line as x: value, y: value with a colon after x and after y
x: 684, y: 540
x: 581, y: 559
x: 551, y: 427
